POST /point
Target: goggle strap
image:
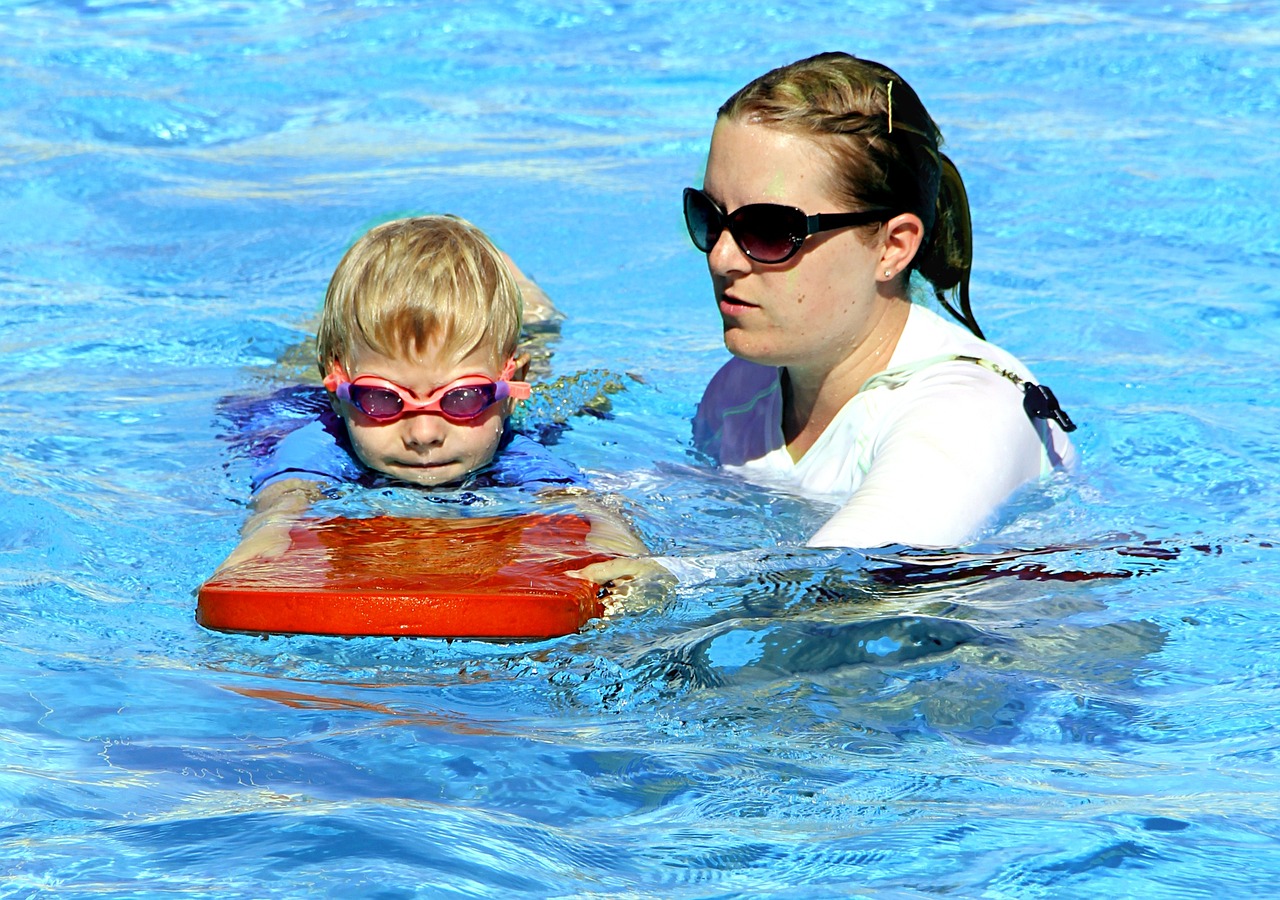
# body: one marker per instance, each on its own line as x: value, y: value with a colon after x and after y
x: 516, y: 390
x: 519, y: 390
x: 336, y: 377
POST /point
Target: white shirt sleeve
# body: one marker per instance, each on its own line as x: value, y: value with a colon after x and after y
x: 957, y: 446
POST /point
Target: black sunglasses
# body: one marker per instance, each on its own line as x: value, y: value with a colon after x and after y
x: 766, y: 232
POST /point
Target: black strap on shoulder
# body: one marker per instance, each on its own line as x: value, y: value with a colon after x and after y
x: 1037, y: 399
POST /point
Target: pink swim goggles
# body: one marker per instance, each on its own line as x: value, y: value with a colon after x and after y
x: 460, y: 400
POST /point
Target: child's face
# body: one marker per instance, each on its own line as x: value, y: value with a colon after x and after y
x: 425, y: 447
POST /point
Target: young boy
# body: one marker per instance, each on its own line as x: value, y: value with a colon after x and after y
x: 417, y: 347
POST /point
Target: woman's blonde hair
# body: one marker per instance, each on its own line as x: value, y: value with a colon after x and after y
x: 409, y: 282
x: 885, y: 151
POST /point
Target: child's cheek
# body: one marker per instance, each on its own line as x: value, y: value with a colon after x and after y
x: 490, y: 435
x: 365, y: 446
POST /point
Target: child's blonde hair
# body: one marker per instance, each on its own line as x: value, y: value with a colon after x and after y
x: 411, y: 281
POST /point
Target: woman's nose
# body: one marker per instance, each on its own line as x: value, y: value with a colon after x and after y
x: 726, y: 256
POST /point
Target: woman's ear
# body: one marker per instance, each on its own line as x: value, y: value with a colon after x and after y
x: 903, y: 235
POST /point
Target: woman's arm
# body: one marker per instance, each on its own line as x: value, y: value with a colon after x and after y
x: 952, y: 455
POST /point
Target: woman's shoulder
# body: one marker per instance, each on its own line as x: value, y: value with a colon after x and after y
x: 740, y: 412
x: 739, y: 384
x: 952, y: 381
x: 931, y: 337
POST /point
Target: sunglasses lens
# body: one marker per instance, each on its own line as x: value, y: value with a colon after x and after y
x: 376, y: 402
x: 767, y: 232
x: 468, y: 402
x: 702, y: 219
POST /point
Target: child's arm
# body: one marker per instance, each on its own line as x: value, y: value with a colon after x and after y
x: 538, y: 308
x: 275, y: 508
x: 611, y: 534
x: 632, y: 580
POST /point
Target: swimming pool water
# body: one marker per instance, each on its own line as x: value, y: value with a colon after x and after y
x: 1085, y: 704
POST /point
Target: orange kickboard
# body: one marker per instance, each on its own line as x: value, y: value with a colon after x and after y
x: 492, y: 578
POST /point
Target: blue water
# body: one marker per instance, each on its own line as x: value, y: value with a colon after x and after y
x: 177, y: 181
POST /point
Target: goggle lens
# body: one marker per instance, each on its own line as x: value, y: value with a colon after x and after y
x: 468, y: 402
x: 376, y: 402
x: 384, y: 404
x: 463, y: 399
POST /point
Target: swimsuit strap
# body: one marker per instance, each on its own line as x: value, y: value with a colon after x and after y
x: 1037, y: 400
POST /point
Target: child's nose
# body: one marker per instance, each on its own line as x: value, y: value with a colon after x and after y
x: 423, y: 430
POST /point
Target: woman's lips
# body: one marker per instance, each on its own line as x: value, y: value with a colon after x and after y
x: 730, y: 305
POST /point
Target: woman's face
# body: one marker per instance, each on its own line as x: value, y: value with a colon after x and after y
x: 817, y: 308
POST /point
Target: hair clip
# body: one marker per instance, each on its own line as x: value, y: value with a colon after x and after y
x: 889, y: 94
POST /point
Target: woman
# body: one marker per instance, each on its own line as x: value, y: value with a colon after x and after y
x: 842, y: 387
x: 825, y: 197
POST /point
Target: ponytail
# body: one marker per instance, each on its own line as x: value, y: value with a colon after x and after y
x: 946, y: 259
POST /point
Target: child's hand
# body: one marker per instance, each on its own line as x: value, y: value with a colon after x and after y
x: 631, y: 583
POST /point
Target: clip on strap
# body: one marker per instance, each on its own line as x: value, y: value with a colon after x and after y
x: 1040, y: 403
x: 1037, y: 400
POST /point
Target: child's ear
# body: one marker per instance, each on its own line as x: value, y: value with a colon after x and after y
x: 336, y: 405
x: 522, y: 367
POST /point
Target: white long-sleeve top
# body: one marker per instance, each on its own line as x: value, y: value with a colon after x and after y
x: 922, y: 455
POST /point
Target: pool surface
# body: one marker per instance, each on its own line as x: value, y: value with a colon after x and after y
x: 1084, y: 703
